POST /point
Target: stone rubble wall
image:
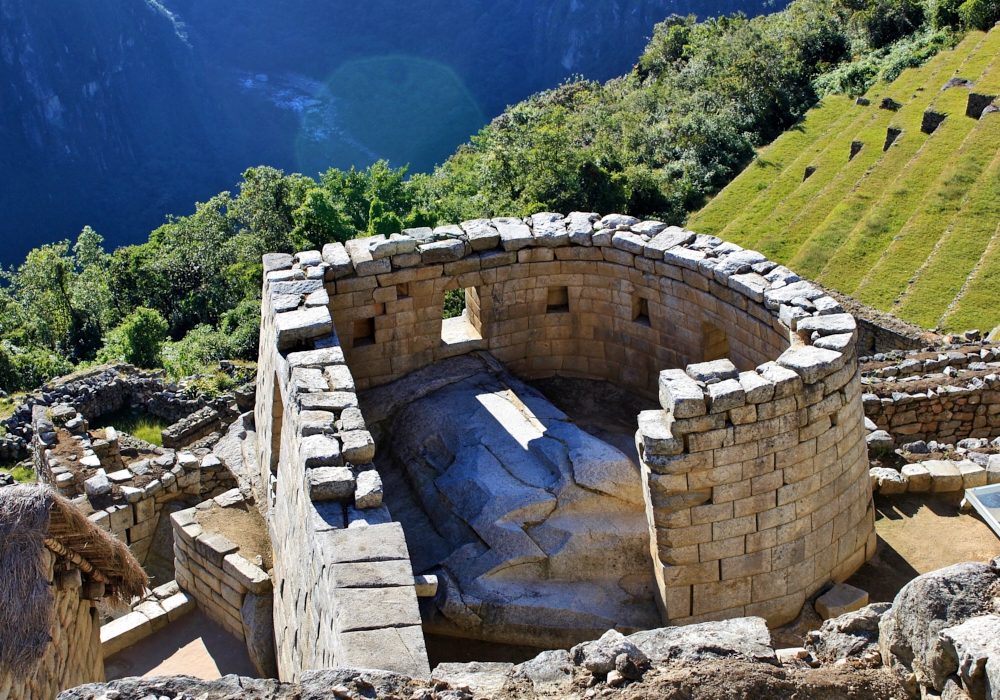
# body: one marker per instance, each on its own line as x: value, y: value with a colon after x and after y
x: 344, y: 587
x: 107, y: 389
x: 620, y: 300
x: 210, y: 567
x: 73, y: 657
x: 945, y: 413
x: 134, y: 516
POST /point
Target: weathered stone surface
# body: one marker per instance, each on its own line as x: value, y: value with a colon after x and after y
x: 880, y: 439
x: 481, y: 677
x: 725, y: 395
x: 330, y: 483
x: 97, y: 485
x: 974, y: 645
x: 744, y: 636
x: 514, y: 234
x: 600, y: 656
x: 712, y: 372
x: 229, y: 687
x: 657, y: 439
x: 811, y: 363
x: 887, y: 481
x: 909, y: 633
x: 522, y: 500
x: 918, y: 479
x: 944, y: 474
x: 257, y: 615
x: 681, y: 395
x: 842, y: 598
x: 550, y: 669
x: 830, y: 324
x: 124, y: 632
x: 359, y: 447
x: 850, y: 635
x: 368, y: 491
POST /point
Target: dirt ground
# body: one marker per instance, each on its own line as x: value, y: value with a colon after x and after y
x: 918, y: 534
x: 191, y: 646
x: 240, y: 525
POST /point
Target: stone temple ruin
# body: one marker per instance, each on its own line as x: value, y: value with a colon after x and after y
x: 414, y: 479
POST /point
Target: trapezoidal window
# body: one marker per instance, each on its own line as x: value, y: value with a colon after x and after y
x: 640, y: 311
x: 364, y: 332
x: 462, y: 322
x: 557, y: 301
x: 714, y: 343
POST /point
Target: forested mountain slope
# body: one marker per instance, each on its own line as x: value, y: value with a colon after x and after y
x: 120, y: 112
x: 887, y: 205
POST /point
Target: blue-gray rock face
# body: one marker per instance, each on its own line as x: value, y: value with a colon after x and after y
x: 541, y: 528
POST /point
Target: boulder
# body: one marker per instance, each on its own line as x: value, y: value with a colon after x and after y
x: 527, y: 513
x: 850, y: 635
x: 746, y: 637
x: 879, y: 439
x: 550, y: 669
x: 909, y: 633
x: 613, y: 651
x: 481, y: 677
x: 974, y: 646
x: 888, y: 481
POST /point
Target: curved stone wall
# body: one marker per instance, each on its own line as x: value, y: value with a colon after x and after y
x: 755, y: 469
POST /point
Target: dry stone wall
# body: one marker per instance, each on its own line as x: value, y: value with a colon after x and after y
x: 73, y: 656
x: 229, y: 588
x: 344, y: 587
x: 754, y: 472
x: 962, y: 402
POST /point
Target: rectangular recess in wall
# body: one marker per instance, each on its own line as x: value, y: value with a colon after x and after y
x: 364, y: 332
x: 640, y: 311
x: 557, y: 301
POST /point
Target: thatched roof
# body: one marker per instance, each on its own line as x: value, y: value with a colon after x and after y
x: 32, y: 519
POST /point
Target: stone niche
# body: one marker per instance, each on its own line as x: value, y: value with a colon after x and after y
x: 750, y: 471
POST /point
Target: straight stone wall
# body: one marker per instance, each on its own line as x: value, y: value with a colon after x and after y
x: 344, y: 588
x: 755, y: 473
x: 231, y: 590
x: 73, y: 657
x: 948, y: 412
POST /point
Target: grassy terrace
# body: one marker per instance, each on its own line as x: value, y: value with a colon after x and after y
x: 824, y: 120
x: 914, y: 229
x: 944, y: 274
x: 745, y: 228
x: 892, y: 203
x: 783, y: 232
x: 890, y: 276
x: 852, y: 197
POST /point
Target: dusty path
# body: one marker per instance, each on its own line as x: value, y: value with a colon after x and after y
x: 191, y: 646
x: 918, y: 534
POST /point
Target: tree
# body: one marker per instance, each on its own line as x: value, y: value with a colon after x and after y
x: 381, y: 222
x: 138, y: 340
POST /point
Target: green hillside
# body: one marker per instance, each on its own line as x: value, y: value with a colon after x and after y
x: 910, y: 228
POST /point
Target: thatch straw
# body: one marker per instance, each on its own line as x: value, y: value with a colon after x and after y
x: 29, y: 515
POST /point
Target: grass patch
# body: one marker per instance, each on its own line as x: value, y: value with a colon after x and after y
x: 770, y: 164
x: 22, y: 475
x: 745, y: 229
x: 898, y: 200
x: 770, y: 224
x: 941, y: 279
x: 978, y: 307
x: 137, y: 423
